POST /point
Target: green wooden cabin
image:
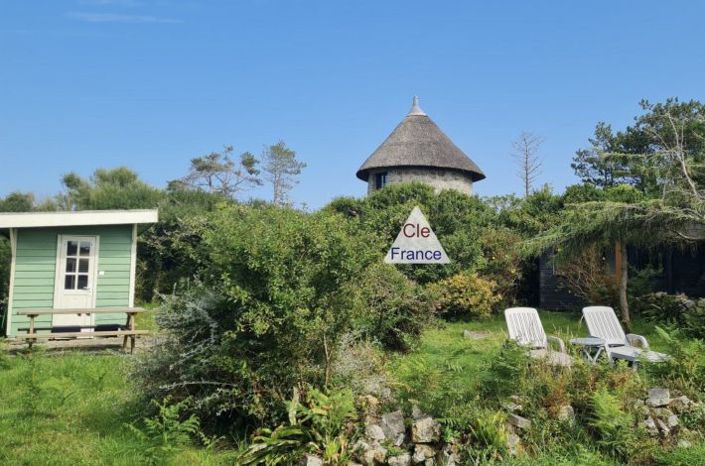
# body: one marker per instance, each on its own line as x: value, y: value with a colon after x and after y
x: 71, y: 260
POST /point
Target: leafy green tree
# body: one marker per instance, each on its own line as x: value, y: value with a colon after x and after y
x: 349, y: 207
x: 534, y: 214
x: 663, y: 155
x: 282, y: 168
x: 17, y: 202
x: 582, y: 193
x: 594, y: 165
x: 666, y: 142
x: 117, y: 188
x: 169, y: 250
x: 218, y: 173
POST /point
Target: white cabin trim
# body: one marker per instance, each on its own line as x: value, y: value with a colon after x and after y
x: 133, y: 267
x: 78, y: 218
x: 13, y: 252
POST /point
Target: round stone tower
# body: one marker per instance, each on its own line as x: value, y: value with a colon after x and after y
x: 417, y: 150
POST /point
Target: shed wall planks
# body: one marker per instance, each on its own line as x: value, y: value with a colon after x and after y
x: 35, y: 264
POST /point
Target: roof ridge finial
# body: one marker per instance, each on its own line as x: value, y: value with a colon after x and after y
x: 415, y: 108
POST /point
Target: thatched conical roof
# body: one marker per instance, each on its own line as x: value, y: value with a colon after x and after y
x: 418, y: 142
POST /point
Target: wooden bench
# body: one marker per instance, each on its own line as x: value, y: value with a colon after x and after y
x: 130, y: 332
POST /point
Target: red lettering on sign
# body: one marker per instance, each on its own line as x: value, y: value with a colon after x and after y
x: 412, y: 230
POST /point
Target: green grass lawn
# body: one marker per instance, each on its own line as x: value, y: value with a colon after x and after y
x: 446, y: 363
x: 73, y: 407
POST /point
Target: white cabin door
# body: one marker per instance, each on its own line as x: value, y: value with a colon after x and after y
x: 75, y: 279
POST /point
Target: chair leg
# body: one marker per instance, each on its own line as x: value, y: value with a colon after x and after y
x: 124, y: 343
x: 132, y: 344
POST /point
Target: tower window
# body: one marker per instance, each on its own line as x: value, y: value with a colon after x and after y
x: 380, y: 180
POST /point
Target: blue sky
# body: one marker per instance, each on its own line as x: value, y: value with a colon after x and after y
x: 152, y: 83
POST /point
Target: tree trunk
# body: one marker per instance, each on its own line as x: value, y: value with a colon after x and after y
x: 623, y: 278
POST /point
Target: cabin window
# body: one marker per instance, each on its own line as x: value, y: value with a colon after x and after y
x: 380, y: 180
x: 77, y: 265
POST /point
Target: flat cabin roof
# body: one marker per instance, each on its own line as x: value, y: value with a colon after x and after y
x: 77, y: 218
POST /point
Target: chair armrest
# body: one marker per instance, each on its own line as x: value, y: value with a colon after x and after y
x: 561, y: 345
x: 637, y: 340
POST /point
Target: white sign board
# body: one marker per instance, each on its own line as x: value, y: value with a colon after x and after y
x: 416, y: 243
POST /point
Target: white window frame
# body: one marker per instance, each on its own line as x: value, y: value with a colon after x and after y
x: 58, y: 273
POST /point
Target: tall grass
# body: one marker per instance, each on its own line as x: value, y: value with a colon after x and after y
x: 74, y: 408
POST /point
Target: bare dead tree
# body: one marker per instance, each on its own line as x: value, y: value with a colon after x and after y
x: 525, y: 153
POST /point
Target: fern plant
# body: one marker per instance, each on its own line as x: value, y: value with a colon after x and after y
x: 488, y: 430
x: 685, y: 369
x: 613, y: 426
x: 167, y: 432
x: 315, y: 426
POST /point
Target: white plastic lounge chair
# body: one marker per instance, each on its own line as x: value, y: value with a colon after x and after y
x: 602, y: 322
x: 524, y: 326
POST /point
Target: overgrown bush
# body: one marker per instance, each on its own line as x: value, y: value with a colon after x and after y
x: 674, y: 310
x: 273, y: 304
x: 169, y: 250
x: 694, y: 320
x: 359, y: 364
x: 503, y: 264
x: 457, y: 219
x: 391, y: 308
x: 643, y: 280
x: 663, y: 307
x: 465, y: 296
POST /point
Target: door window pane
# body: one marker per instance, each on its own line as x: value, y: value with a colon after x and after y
x: 82, y: 282
x: 70, y: 282
x: 78, y: 264
x: 83, y: 265
x: 70, y: 265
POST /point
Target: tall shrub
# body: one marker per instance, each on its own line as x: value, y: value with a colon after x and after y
x: 391, y: 308
x: 266, y: 320
x: 465, y: 296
